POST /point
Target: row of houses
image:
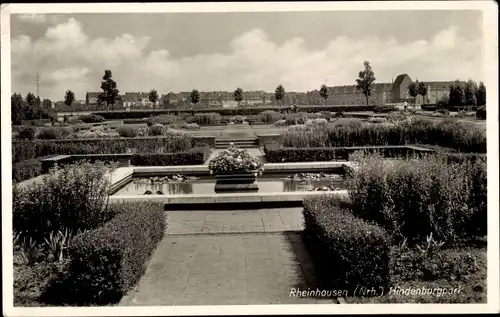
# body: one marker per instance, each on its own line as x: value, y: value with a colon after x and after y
x: 383, y: 93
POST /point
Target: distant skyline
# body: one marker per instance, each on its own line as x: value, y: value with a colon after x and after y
x: 255, y: 51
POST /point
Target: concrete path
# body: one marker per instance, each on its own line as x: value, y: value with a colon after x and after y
x: 245, y: 259
x: 236, y: 221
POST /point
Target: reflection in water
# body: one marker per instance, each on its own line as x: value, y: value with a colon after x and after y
x: 206, y: 186
x: 166, y: 189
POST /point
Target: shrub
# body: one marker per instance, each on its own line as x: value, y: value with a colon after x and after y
x: 74, y: 198
x: 27, y: 133
x: 157, y: 129
x: 26, y: 169
x: 193, y: 157
x: 413, y: 198
x: 270, y: 116
x: 166, y: 120
x: 127, y: 132
x: 320, y: 121
x: 51, y: 133
x: 238, y: 119
x: 348, y: 251
x: 207, y: 118
x: 384, y: 109
x: 108, y: 261
x: 481, y: 113
x: 92, y: 118
x: 192, y: 126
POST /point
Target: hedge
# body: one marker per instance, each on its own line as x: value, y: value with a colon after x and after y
x: 429, y: 107
x: 91, y: 118
x: 276, y: 154
x: 108, y: 261
x: 384, y: 109
x: 228, y: 111
x: 347, y: 251
x: 23, y: 150
x: 193, y: 157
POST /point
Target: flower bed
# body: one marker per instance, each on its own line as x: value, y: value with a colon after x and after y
x: 235, y: 160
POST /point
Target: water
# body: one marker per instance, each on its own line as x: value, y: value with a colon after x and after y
x: 206, y: 185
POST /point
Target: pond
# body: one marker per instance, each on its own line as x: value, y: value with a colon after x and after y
x: 205, y: 185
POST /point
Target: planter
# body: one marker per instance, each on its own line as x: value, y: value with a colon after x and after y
x: 235, y: 182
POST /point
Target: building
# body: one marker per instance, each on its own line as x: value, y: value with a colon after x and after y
x: 139, y: 100
x: 382, y: 93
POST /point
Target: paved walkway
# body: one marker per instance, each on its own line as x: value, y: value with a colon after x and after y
x: 246, y: 258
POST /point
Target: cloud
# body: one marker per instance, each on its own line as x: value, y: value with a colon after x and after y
x: 67, y: 58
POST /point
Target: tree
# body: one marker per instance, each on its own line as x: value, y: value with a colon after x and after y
x: 109, y: 93
x: 422, y: 90
x: 279, y: 93
x: 365, y: 80
x: 323, y: 92
x: 481, y: 94
x: 31, y: 100
x: 456, y: 98
x: 47, y: 104
x: 69, y: 98
x: 195, y: 96
x: 153, y: 97
x: 470, y: 94
x: 413, y: 92
x: 17, y: 106
x: 238, y: 95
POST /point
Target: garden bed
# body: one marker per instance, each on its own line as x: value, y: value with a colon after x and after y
x: 419, y: 223
x: 71, y: 248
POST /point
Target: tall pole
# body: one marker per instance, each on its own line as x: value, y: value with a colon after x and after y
x: 38, y: 94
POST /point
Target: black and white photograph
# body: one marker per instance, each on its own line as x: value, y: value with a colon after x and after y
x: 249, y: 158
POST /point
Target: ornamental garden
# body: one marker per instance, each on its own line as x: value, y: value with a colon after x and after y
x: 390, y: 198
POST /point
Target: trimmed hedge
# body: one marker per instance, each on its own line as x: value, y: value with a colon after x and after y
x: 23, y: 150
x: 228, y: 111
x: 108, y: 261
x: 193, y: 157
x: 429, y: 107
x: 91, y: 118
x: 276, y: 154
x: 384, y: 109
x: 348, y: 252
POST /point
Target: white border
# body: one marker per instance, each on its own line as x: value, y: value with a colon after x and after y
x: 490, y: 35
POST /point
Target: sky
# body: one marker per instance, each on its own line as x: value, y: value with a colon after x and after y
x: 252, y: 50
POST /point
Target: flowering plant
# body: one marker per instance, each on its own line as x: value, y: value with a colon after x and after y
x: 234, y: 159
